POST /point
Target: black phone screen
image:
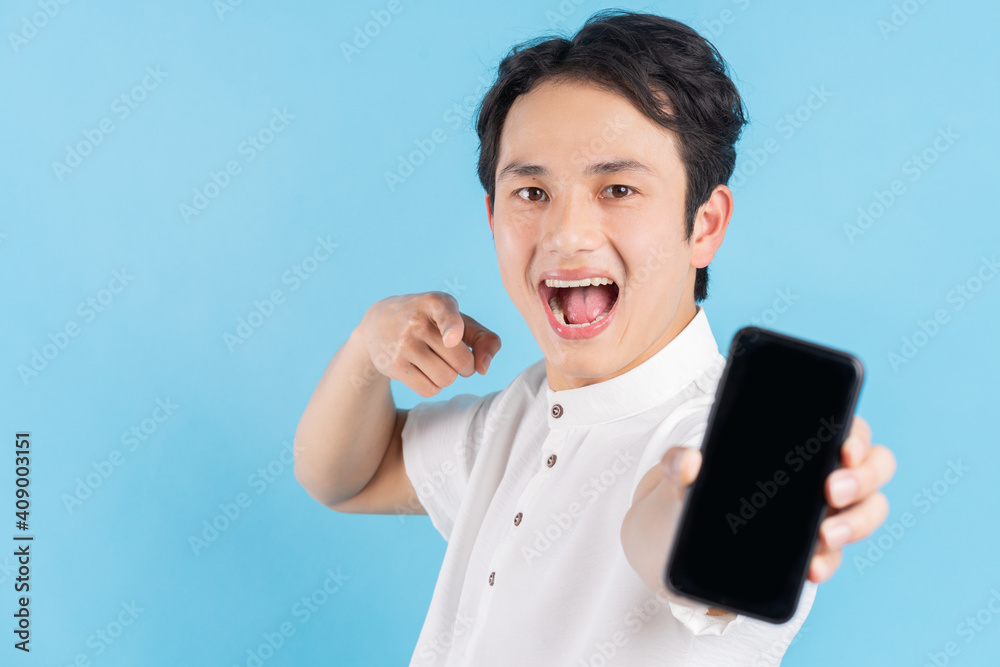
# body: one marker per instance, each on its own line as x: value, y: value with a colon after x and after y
x: 750, y: 520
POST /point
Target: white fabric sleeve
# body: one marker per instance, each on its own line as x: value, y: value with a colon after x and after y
x: 697, y: 620
x: 685, y: 427
x: 440, y: 443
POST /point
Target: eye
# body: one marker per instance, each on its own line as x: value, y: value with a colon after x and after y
x: 531, y: 193
x: 618, y: 191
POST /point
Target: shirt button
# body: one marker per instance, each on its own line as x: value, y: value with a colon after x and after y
x: 557, y: 411
x: 551, y: 461
x: 517, y: 518
x: 491, y: 578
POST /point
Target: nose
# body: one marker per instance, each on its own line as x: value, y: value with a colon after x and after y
x: 572, y: 225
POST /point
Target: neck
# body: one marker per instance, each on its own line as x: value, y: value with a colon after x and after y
x: 559, y: 381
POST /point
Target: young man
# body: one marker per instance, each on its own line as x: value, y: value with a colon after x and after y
x: 605, y: 160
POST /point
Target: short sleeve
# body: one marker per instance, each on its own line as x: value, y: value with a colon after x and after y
x: 684, y: 427
x: 440, y: 442
x: 697, y: 620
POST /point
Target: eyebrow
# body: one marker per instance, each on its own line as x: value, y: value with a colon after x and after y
x: 524, y: 169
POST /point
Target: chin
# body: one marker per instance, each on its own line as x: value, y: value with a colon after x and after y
x: 580, y: 363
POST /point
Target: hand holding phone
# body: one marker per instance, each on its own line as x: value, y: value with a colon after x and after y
x: 750, y: 520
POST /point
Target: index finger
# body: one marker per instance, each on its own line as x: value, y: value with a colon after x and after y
x: 450, y: 330
x: 442, y: 310
x: 484, y: 343
x: 455, y: 327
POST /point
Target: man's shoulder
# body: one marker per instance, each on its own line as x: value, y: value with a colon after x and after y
x: 530, y: 381
x: 523, y: 390
x: 702, y: 386
x: 708, y: 381
x: 688, y: 411
x: 533, y: 376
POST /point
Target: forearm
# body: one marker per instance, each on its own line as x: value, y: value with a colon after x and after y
x: 346, y: 426
x: 647, y: 533
x: 647, y: 530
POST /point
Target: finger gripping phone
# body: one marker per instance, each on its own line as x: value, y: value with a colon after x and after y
x: 750, y: 520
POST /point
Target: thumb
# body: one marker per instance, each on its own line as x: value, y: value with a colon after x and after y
x: 452, y: 329
x: 680, y: 465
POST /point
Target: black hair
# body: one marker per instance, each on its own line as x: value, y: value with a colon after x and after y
x: 642, y: 57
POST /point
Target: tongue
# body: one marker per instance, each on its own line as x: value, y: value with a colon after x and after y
x: 584, y: 304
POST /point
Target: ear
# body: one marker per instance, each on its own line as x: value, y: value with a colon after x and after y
x: 710, y: 225
x: 489, y: 213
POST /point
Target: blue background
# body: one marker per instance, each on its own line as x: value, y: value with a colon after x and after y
x: 323, y: 176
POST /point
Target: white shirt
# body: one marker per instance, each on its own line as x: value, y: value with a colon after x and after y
x: 530, y: 486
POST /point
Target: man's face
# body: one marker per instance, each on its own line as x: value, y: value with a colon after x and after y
x: 588, y: 186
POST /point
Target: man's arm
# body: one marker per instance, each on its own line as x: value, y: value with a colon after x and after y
x: 348, y: 444
x: 852, y: 492
x: 649, y: 525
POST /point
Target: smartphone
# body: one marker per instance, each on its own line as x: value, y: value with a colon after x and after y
x: 750, y: 520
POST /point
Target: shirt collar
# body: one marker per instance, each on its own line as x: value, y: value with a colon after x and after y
x: 649, y: 384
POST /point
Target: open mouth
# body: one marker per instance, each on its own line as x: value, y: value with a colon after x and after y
x: 579, y: 303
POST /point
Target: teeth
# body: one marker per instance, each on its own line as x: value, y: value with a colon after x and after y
x: 579, y: 283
